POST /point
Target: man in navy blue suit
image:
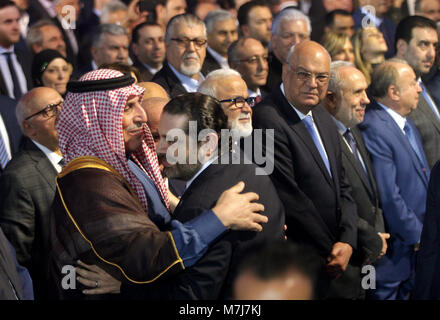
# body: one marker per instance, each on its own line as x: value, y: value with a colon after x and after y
x: 402, y: 173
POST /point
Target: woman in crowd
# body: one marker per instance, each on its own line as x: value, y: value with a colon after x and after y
x: 51, y: 69
x: 339, y: 46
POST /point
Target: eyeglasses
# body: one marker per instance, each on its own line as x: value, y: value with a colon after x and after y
x: 321, y: 78
x: 239, y: 102
x: 253, y: 60
x: 48, y: 111
x: 183, y: 43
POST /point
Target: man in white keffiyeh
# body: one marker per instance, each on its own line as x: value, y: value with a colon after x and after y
x: 111, y: 205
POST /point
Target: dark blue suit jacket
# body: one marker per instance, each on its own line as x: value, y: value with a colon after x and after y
x: 402, y: 187
x: 7, y: 112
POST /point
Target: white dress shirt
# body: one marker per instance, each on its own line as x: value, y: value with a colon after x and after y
x: 190, y: 84
x: 53, y: 157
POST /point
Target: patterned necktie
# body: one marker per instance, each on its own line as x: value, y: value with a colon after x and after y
x: 412, y: 141
x: 17, y: 89
x: 4, y: 156
x: 308, y: 121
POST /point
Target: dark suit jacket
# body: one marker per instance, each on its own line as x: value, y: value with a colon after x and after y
x: 10, y: 287
x: 319, y: 208
x: 402, y: 185
x: 27, y: 189
x: 210, y: 64
x: 212, y: 276
x: 7, y: 112
x: 145, y: 73
x: 428, y: 126
x: 24, y: 60
x: 275, y: 73
x: 366, y: 196
x: 169, y: 81
x: 433, y: 85
x: 71, y: 57
x: 427, y: 283
x: 37, y: 12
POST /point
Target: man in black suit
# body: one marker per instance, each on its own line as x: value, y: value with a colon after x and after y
x: 27, y: 186
x: 346, y: 101
x: 148, y: 44
x: 212, y: 277
x: 221, y: 26
x: 10, y: 131
x: 17, y: 82
x: 308, y: 170
x: 45, y: 35
x: 185, y: 40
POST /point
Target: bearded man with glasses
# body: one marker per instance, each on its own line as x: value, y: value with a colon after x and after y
x: 185, y: 41
x: 27, y: 186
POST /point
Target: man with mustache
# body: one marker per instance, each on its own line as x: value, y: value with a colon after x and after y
x: 185, y: 41
x: 111, y: 204
x: 229, y: 88
x: 346, y: 101
x: 249, y: 57
x: 308, y: 170
x: 402, y: 173
x: 416, y: 43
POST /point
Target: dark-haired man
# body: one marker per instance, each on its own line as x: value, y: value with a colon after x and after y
x: 255, y: 21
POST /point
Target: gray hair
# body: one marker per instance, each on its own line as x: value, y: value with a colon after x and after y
x: 34, y: 35
x: 188, y: 19
x: 291, y: 15
x: 335, y: 83
x: 109, y: 28
x: 209, y: 88
x: 110, y: 8
x: 385, y: 75
x: 20, y: 113
x: 217, y: 16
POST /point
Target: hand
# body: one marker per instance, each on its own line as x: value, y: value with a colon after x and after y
x: 174, y: 201
x: 94, y: 277
x: 237, y: 211
x: 384, y: 237
x: 338, y: 259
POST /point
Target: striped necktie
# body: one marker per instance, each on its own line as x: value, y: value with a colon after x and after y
x: 4, y: 156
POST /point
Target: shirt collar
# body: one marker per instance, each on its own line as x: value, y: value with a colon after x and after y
x: 4, y: 50
x: 190, y: 84
x: 340, y: 126
x: 300, y: 114
x: 219, y: 58
x: 153, y: 71
x: 205, y: 165
x: 53, y: 157
x: 398, y: 119
x: 255, y: 93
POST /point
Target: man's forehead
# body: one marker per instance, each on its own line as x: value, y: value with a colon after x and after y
x: 183, y: 30
x: 428, y: 34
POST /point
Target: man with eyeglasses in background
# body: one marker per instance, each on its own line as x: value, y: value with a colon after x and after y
x: 227, y: 86
x: 308, y: 174
x: 185, y: 41
x: 27, y: 186
x: 248, y: 56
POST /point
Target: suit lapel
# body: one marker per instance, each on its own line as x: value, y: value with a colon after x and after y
x: 42, y: 163
x: 426, y: 109
x: 300, y: 129
x: 394, y: 128
x: 174, y: 84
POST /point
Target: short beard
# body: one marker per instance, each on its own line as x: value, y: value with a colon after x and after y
x: 243, y: 130
x: 182, y: 171
x: 190, y: 70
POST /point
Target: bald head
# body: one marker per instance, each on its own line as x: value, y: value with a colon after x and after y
x: 153, y: 107
x: 42, y: 105
x: 153, y: 90
x: 306, y: 75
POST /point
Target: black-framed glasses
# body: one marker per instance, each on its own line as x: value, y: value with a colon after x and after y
x: 239, y: 102
x: 254, y: 59
x: 198, y: 43
x: 49, y: 111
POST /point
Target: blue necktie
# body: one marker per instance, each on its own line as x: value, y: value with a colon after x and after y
x: 412, y: 141
x: 429, y: 100
x: 308, y: 121
x: 4, y: 156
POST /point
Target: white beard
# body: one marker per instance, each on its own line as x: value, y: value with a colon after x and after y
x: 244, y: 130
x: 190, y: 69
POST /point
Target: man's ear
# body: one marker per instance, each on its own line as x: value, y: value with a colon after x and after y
x: 28, y: 129
x: 210, y: 143
x: 401, y: 47
x: 245, y: 30
x: 331, y: 102
x: 393, y: 92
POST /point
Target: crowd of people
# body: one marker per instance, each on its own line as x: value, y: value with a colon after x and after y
x: 117, y: 180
